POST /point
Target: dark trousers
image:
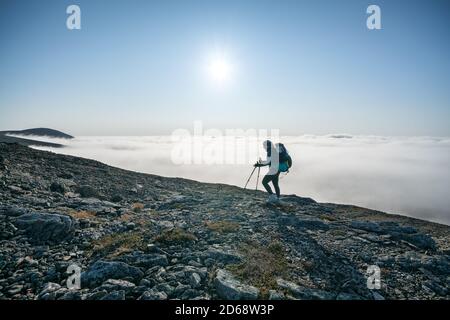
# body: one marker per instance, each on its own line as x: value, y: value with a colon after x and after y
x: 274, y: 179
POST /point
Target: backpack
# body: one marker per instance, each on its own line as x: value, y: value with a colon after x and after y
x: 285, y: 160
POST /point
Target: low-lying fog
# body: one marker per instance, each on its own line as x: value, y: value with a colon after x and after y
x: 409, y: 176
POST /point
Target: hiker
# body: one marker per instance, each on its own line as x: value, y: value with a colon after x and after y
x: 278, y: 160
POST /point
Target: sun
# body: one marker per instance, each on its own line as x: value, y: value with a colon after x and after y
x: 220, y: 70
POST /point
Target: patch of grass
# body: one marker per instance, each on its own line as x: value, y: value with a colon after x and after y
x: 125, y: 217
x: 222, y: 226
x: 261, y: 266
x: 117, y: 244
x: 137, y: 207
x: 83, y: 214
x: 176, y: 235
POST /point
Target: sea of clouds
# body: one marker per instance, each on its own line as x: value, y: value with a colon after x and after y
x: 401, y: 175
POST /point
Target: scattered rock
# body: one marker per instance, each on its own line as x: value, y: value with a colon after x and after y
x: 153, y: 295
x: 49, y: 291
x: 377, y: 296
x: 115, y: 295
x: 305, y: 293
x: 45, y: 227
x: 223, y: 255
x: 101, y: 271
x: 229, y: 288
x: 87, y: 192
x: 145, y: 260
x: 117, y: 285
x: 57, y: 187
x: 195, y: 280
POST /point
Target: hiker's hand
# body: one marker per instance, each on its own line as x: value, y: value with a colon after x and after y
x: 257, y: 164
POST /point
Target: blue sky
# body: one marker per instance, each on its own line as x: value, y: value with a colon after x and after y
x: 138, y: 67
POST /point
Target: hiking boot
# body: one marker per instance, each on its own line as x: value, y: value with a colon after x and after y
x: 272, y: 199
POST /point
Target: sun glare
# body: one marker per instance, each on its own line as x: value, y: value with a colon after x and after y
x: 219, y: 70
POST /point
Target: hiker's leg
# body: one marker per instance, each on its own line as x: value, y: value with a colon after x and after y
x: 265, y: 183
x: 275, y: 184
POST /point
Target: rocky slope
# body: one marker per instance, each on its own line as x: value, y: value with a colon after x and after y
x: 140, y: 236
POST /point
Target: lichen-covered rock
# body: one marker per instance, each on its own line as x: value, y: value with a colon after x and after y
x: 45, y: 227
x: 153, y: 295
x: 304, y: 293
x: 101, y: 271
x: 229, y: 288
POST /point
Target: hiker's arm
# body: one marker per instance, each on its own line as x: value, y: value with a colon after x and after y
x: 262, y: 163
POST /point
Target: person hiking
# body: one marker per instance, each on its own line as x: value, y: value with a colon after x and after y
x: 278, y: 160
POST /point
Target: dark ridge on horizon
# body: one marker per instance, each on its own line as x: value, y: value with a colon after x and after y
x: 34, y: 132
x: 45, y: 132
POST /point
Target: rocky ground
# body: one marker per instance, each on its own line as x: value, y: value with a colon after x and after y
x: 140, y: 236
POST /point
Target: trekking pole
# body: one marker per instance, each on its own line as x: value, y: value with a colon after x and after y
x: 249, y: 177
x: 257, y: 179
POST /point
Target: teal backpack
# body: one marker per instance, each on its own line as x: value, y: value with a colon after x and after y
x: 284, y: 158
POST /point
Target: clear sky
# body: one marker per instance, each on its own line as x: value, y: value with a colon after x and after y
x: 144, y: 67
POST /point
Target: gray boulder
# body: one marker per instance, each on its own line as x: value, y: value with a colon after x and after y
x: 57, y: 187
x: 44, y: 228
x: 101, y: 271
x: 229, y: 288
x: 145, y: 260
x: 87, y: 192
x: 49, y: 292
x: 153, y: 295
x: 195, y: 280
x: 366, y: 226
x: 115, y: 295
x: 304, y: 293
x: 420, y: 240
x: 116, y: 285
x: 222, y: 255
x: 12, y: 211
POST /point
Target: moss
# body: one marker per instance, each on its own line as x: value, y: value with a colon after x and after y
x: 261, y: 266
x: 176, y: 235
x: 222, y: 226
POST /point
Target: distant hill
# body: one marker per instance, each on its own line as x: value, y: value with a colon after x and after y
x: 35, y: 132
x: 40, y: 132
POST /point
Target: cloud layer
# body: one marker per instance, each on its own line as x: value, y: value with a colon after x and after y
x: 409, y: 176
